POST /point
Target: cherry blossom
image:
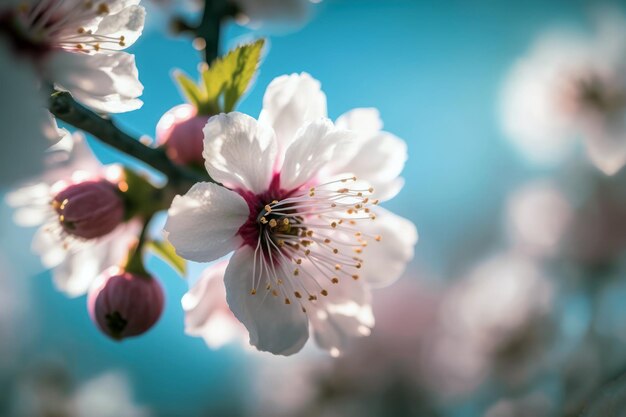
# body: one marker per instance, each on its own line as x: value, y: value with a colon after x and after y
x: 571, y: 85
x: 308, y: 236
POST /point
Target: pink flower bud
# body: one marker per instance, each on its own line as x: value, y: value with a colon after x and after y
x: 89, y: 209
x: 124, y: 304
x: 180, y: 131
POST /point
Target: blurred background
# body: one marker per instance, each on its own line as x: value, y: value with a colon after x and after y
x: 513, y: 305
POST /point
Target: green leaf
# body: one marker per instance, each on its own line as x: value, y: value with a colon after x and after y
x: 190, y: 90
x: 224, y: 82
x: 166, y: 251
x: 239, y: 67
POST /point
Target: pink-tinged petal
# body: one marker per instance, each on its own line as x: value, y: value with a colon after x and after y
x: 312, y: 150
x: 289, y: 102
x: 386, y: 260
x: 206, y: 312
x: 274, y: 326
x: 202, y: 225
x: 239, y: 152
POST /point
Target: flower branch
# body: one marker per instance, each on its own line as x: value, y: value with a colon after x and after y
x: 64, y: 107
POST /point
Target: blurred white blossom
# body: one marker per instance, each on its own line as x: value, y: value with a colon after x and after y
x: 571, y: 85
x: 76, y: 262
x: 44, y: 395
x: 500, y: 316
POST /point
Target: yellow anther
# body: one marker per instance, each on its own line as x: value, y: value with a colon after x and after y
x: 275, y: 293
x: 337, y: 267
x: 296, y: 272
x: 327, y: 240
x: 307, y: 252
x: 286, y: 221
x: 358, y: 266
x: 335, y: 280
x: 273, y: 223
x: 378, y: 238
x: 287, y: 301
x: 355, y: 277
x: 299, y: 261
x: 253, y: 292
x: 324, y: 293
x: 333, y: 224
x: 81, y: 30
x: 371, y: 189
x: 267, y: 208
x: 263, y: 220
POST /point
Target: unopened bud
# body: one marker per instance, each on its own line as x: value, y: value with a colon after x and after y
x: 89, y: 209
x: 124, y: 304
x: 180, y: 131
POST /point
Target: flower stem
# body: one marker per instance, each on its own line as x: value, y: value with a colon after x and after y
x: 134, y: 264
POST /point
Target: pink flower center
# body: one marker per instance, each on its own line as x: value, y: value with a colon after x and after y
x: 304, y: 239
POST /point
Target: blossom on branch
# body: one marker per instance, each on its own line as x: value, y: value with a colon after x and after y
x: 309, y: 237
x: 77, y: 259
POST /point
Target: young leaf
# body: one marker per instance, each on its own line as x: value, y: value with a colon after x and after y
x: 239, y: 67
x: 166, y: 251
x: 190, y: 89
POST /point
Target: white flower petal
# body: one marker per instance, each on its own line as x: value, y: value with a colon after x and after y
x: 379, y: 159
x: 79, y: 270
x: 606, y: 147
x: 128, y: 23
x: 26, y: 126
x: 239, y: 152
x: 344, y: 314
x: 202, y: 225
x: 274, y: 326
x: 105, y: 82
x: 289, y: 102
x: 362, y: 120
x: 49, y: 247
x: 206, y: 312
x: 312, y: 149
x: 385, y: 261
